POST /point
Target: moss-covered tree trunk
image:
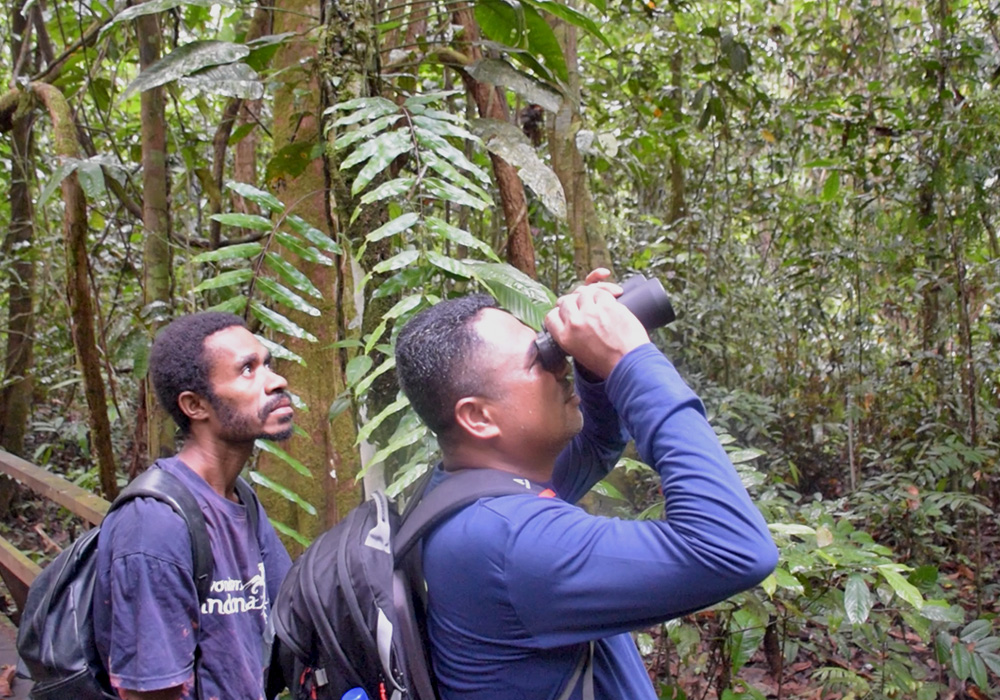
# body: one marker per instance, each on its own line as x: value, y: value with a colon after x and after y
x: 328, y: 449
x: 156, y: 263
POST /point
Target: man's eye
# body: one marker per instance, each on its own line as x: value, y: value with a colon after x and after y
x: 247, y: 369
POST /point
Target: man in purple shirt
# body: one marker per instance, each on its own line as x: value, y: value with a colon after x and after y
x: 524, y: 592
x: 215, y: 379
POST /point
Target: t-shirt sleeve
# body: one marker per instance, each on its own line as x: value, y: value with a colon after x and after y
x: 154, y: 603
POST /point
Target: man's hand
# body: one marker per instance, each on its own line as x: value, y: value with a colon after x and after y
x: 593, y: 327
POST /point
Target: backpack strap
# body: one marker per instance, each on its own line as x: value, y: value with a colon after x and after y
x: 167, y: 488
x: 462, y: 488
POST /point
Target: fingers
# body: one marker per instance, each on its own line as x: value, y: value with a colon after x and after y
x: 598, y: 274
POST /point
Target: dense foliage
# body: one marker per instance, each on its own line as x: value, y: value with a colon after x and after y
x: 816, y: 184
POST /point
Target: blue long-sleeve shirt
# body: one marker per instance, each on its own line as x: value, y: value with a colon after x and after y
x: 519, y: 585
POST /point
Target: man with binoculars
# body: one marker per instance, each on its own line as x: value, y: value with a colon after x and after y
x: 532, y: 597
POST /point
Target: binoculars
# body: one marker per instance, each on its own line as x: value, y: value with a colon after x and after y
x: 645, y: 298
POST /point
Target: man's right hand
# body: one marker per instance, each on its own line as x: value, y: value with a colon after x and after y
x: 593, y: 327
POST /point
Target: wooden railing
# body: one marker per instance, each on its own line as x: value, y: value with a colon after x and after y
x: 16, y: 569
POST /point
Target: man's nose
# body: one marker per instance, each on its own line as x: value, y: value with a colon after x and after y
x: 276, y: 382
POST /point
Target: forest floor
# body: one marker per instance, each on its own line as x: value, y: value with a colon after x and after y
x: 43, y: 529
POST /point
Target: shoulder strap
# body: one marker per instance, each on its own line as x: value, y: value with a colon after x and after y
x: 167, y: 488
x: 249, y: 499
x: 460, y: 489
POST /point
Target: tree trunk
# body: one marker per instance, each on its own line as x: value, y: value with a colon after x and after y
x: 81, y: 304
x: 590, y: 249
x: 156, y: 268
x: 492, y: 104
x: 328, y: 450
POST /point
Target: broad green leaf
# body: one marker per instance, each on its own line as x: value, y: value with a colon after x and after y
x: 307, y: 253
x: 961, y: 661
x: 151, y: 7
x: 365, y: 132
x: 271, y: 448
x: 339, y: 405
x: 286, y: 271
x: 770, y: 585
x: 503, y: 21
x: 456, y: 235
x: 993, y: 661
x: 397, y: 261
x: 831, y: 187
x: 365, y: 433
x: 281, y: 352
x: 388, y: 151
x: 375, y: 336
x: 390, y: 142
x: 185, y: 60
x: 607, y: 489
x: 436, y: 144
x: 282, y: 491
x: 226, y: 279
x: 397, y: 443
x: 251, y: 221
x: 447, y: 192
x: 393, y: 188
x: 284, y: 295
x: 66, y: 167
x: 292, y: 533
x: 791, y: 529
x: 363, y: 108
x: 443, y: 128
x: 976, y: 631
x: 232, y: 80
x: 280, y: 323
x: 857, y: 600
x: 404, y: 305
x: 747, y: 455
x: 313, y: 235
x: 942, y: 612
x: 393, y: 226
x: 903, y: 588
x: 259, y: 197
x: 455, y: 267
x: 449, y: 172
x: 365, y: 383
x: 746, y: 634
x: 786, y: 580
x: 525, y: 298
x: 509, y: 142
x: 534, y: 91
x: 572, y: 16
x: 357, y: 367
x: 233, y: 305
x: 229, y: 252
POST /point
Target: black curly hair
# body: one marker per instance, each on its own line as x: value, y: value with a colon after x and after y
x: 177, y: 360
x: 434, y: 363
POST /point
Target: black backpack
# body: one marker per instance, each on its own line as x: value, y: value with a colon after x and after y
x: 350, y: 613
x: 55, y: 639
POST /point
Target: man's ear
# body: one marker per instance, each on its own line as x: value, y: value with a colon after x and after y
x: 194, y: 406
x: 474, y: 415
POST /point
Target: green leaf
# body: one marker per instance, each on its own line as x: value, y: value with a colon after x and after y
x: 572, y: 16
x: 229, y: 252
x: 525, y: 298
x: 362, y: 108
x: 791, y: 529
x: 743, y: 456
x: 746, y: 637
x: 66, y: 167
x: 404, y: 305
x: 450, y: 265
x: 261, y: 198
x: 226, y: 279
x: 282, y: 491
x: 961, y: 661
x: 284, y: 295
x: 459, y: 236
x: 357, y: 367
x: 436, y: 144
x: 366, y: 431
x: 942, y: 612
x: 233, y: 305
x: 365, y: 132
x: 533, y: 90
x: 290, y: 275
x: 831, y: 187
x: 279, y: 323
x: 313, y: 235
x: 975, y: 631
x: 185, y: 60
x: 307, y: 253
x: 365, y: 383
x: 281, y: 352
x: 449, y: 193
x: 339, y: 405
x: 388, y: 148
x: 232, y: 80
x: 787, y: 581
x: 397, y: 443
x: 607, y: 489
x: 393, y: 188
x: 393, y: 226
x: 450, y: 173
x: 857, y: 600
x: 251, y: 221
x: 271, y: 448
x: 397, y: 261
x: 503, y: 22
x: 903, y: 588
x: 291, y: 533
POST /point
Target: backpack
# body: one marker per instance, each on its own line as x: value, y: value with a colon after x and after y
x: 350, y: 613
x: 55, y: 639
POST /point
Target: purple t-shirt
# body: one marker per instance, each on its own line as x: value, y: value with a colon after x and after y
x: 146, y: 613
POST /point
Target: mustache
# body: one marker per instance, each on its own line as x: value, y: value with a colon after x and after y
x: 279, y: 400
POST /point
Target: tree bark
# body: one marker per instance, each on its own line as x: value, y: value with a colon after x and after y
x: 81, y: 304
x: 156, y: 267
x: 590, y: 249
x: 492, y: 104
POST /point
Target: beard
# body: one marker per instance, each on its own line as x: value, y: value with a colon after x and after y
x: 241, y: 426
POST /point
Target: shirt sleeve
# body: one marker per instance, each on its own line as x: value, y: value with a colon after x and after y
x: 571, y: 576
x: 596, y: 449
x: 154, y: 603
